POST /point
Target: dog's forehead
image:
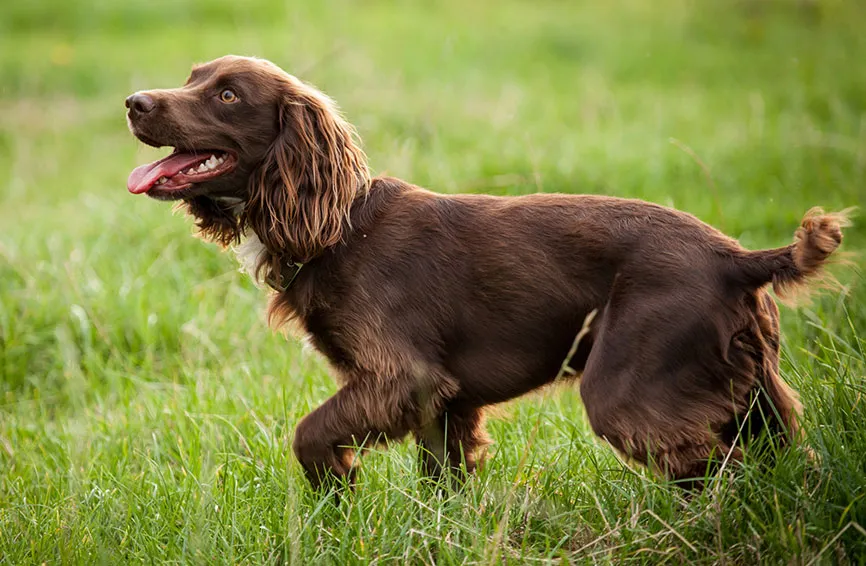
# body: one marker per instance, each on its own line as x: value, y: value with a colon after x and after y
x: 232, y: 65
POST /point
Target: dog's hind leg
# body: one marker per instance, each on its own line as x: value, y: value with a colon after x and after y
x: 658, y: 385
x: 773, y: 405
x: 785, y: 401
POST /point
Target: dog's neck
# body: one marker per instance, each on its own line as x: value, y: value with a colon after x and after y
x: 279, y: 270
x: 253, y: 256
x: 256, y: 262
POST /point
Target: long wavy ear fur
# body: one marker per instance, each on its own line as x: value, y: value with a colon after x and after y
x: 301, y: 195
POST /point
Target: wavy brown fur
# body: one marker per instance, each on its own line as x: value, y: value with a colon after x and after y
x: 796, y: 269
x: 216, y: 222
x: 432, y: 307
x: 301, y: 195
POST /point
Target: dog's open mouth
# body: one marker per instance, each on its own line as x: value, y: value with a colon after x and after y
x: 180, y: 170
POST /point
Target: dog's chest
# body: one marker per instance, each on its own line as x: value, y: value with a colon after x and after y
x: 250, y: 253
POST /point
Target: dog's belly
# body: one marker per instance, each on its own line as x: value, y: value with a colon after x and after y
x: 503, y: 386
x: 503, y: 367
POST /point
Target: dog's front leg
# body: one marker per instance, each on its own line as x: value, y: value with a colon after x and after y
x: 456, y: 438
x: 360, y: 414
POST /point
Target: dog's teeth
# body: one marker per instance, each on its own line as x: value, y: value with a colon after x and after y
x: 161, y: 180
x: 220, y: 160
x: 205, y: 166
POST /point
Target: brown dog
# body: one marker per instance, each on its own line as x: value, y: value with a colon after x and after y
x: 431, y: 307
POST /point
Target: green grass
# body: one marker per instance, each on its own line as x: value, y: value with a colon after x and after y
x: 146, y: 412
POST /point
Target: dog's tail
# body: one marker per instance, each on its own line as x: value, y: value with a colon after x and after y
x: 795, y: 266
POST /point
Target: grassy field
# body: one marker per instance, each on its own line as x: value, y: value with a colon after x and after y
x: 146, y: 412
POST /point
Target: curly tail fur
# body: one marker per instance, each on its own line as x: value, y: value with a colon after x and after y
x: 792, y: 267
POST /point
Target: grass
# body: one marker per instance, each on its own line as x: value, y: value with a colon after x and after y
x: 146, y: 412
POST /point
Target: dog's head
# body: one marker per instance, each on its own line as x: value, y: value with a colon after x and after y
x: 253, y: 146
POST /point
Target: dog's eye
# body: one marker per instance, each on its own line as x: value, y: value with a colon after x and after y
x: 228, y: 96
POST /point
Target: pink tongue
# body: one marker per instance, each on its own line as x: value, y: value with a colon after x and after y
x: 144, y: 177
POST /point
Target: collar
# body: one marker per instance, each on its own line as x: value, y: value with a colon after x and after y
x: 281, y: 281
x: 289, y: 270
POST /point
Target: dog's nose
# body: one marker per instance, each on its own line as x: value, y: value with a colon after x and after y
x: 140, y: 103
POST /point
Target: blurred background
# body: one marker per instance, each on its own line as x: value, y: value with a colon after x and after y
x: 132, y: 353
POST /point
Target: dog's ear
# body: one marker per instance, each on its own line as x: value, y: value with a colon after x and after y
x: 301, y: 195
